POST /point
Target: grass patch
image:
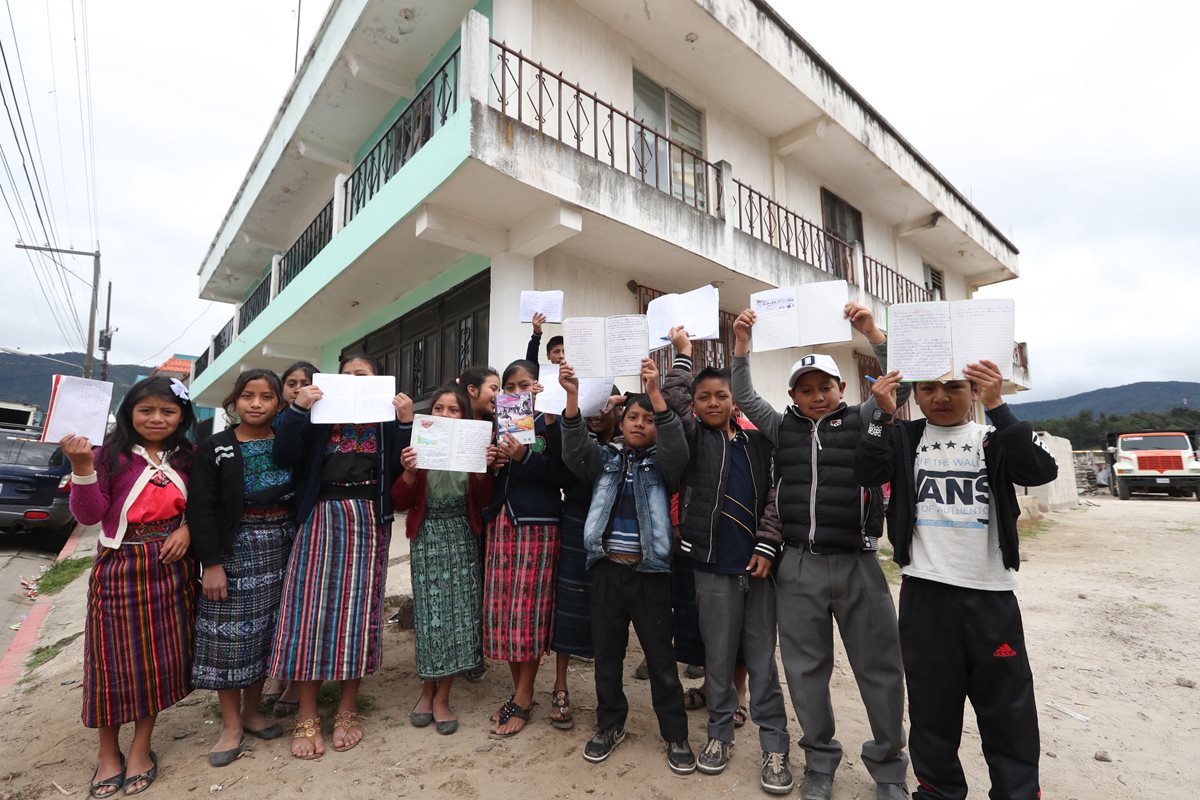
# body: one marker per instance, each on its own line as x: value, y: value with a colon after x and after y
x: 61, y: 573
x: 1029, y: 529
x: 329, y: 694
x: 42, y: 655
x: 1151, y: 607
x: 891, y: 570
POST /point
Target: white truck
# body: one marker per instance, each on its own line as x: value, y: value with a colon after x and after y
x: 1154, y: 462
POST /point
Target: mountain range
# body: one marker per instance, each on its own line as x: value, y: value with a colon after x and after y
x: 27, y: 378
x: 1146, y: 396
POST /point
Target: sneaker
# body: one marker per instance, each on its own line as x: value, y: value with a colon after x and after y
x: 680, y: 758
x: 817, y: 786
x: 694, y: 671
x: 714, y: 757
x: 600, y: 746
x: 776, y: 777
x: 891, y: 791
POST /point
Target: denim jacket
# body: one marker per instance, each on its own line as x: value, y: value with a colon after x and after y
x: 657, y: 476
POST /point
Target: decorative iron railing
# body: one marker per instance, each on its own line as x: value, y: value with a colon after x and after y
x: 255, y: 304
x: 533, y: 95
x: 890, y: 286
x: 223, y: 338
x: 318, y: 234
x: 780, y: 227
x: 200, y: 365
x: 436, y: 101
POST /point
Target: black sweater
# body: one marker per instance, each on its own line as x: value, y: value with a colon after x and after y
x: 1013, y: 453
x: 300, y: 444
x: 216, y: 496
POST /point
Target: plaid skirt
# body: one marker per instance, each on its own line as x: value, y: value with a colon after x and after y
x: 331, y: 612
x: 444, y: 559
x: 137, y: 647
x: 518, y: 591
x: 573, y: 593
x: 234, y: 636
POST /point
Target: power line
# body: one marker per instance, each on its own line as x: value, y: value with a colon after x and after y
x: 87, y: 73
x: 88, y: 172
x: 62, y: 160
x: 188, y: 327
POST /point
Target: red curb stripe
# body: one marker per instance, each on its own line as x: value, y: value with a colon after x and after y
x: 71, y: 544
x: 12, y: 666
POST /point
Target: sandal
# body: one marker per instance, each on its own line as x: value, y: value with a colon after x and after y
x: 740, y: 716
x: 285, y: 708
x: 508, y: 711
x: 148, y: 777
x: 347, y: 721
x: 307, y: 729
x: 694, y: 699
x: 116, y: 782
x: 560, y: 710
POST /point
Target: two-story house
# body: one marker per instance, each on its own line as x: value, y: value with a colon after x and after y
x: 434, y: 158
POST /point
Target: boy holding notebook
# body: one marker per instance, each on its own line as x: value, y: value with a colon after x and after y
x: 829, y: 568
x: 953, y: 523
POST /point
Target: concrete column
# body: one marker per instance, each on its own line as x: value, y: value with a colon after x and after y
x: 339, y: 202
x: 276, y: 260
x: 728, y: 195
x: 507, y: 337
x: 474, y: 59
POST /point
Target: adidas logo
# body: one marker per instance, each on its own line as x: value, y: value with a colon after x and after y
x: 1004, y: 651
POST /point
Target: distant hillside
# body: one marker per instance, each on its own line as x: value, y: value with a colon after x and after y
x: 26, y: 379
x: 1147, y: 396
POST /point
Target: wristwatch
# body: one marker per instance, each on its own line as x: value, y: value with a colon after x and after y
x: 881, y: 416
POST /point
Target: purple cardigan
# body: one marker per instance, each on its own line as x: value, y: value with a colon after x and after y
x: 99, y: 498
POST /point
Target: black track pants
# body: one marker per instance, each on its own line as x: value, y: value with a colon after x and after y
x: 961, y: 644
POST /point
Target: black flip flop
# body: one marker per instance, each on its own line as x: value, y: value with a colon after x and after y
x: 117, y: 782
x: 148, y: 776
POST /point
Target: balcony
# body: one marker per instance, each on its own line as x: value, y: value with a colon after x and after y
x: 526, y: 91
x: 890, y: 286
x: 763, y: 218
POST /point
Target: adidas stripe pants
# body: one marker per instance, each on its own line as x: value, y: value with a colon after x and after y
x: 961, y: 644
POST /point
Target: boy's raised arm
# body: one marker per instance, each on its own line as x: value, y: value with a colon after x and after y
x: 1029, y: 462
x: 677, y: 383
x: 580, y: 452
x: 671, y: 442
x: 873, y: 458
x: 757, y: 410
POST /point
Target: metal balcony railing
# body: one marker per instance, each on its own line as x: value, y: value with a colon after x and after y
x: 780, y: 227
x: 528, y: 92
x: 255, y: 304
x: 311, y: 242
x: 890, y: 286
x: 436, y: 101
x: 200, y: 365
x: 223, y: 338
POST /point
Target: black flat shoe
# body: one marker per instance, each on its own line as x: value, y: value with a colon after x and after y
x: 148, y: 776
x: 223, y: 758
x: 117, y: 782
x: 273, y: 731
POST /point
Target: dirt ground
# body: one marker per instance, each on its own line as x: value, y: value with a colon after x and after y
x: 1109, y: 594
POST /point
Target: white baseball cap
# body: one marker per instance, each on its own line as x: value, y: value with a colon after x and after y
x: 815, y: 362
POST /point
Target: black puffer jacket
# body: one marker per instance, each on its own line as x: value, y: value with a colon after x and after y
x: 821, y: 505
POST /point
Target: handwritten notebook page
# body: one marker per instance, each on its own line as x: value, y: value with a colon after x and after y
x: 821, y: 311
x: 77, y: 406
x: 583, y: 338
x: 983, y: 329
x: 549, y: 303
x: 777, y: 322
x: 627, y: 344
x: 919, y: 343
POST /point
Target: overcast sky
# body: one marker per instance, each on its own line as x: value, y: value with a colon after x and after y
x: 1070, y: 128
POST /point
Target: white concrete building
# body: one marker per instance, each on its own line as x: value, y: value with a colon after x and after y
x: 435, y: 157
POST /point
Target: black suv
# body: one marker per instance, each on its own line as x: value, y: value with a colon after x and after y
x: 35, y: 485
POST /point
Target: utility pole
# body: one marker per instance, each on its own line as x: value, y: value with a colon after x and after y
x: 95, y: 254
x: 106, y: 335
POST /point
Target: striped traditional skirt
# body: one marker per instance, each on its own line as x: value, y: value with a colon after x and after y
x: 234, y: 636
x: 446, y: 591
x: 573, y: 593
x: 137, y: 651
x: 518, y: 592
x: 331, y: 613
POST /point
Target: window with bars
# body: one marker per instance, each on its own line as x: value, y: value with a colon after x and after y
x: 669, y: 167
x: 935, y: 282
x: 707, y: 353
x: 840, y: 218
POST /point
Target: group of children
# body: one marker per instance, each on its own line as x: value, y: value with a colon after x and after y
x: 562, y: 544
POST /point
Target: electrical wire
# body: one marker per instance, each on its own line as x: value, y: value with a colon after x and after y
x: 186, y: 328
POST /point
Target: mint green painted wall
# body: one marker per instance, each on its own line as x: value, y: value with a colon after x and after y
x: 468, y: 268
x: 417, y: 179
x: 483, y: 7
